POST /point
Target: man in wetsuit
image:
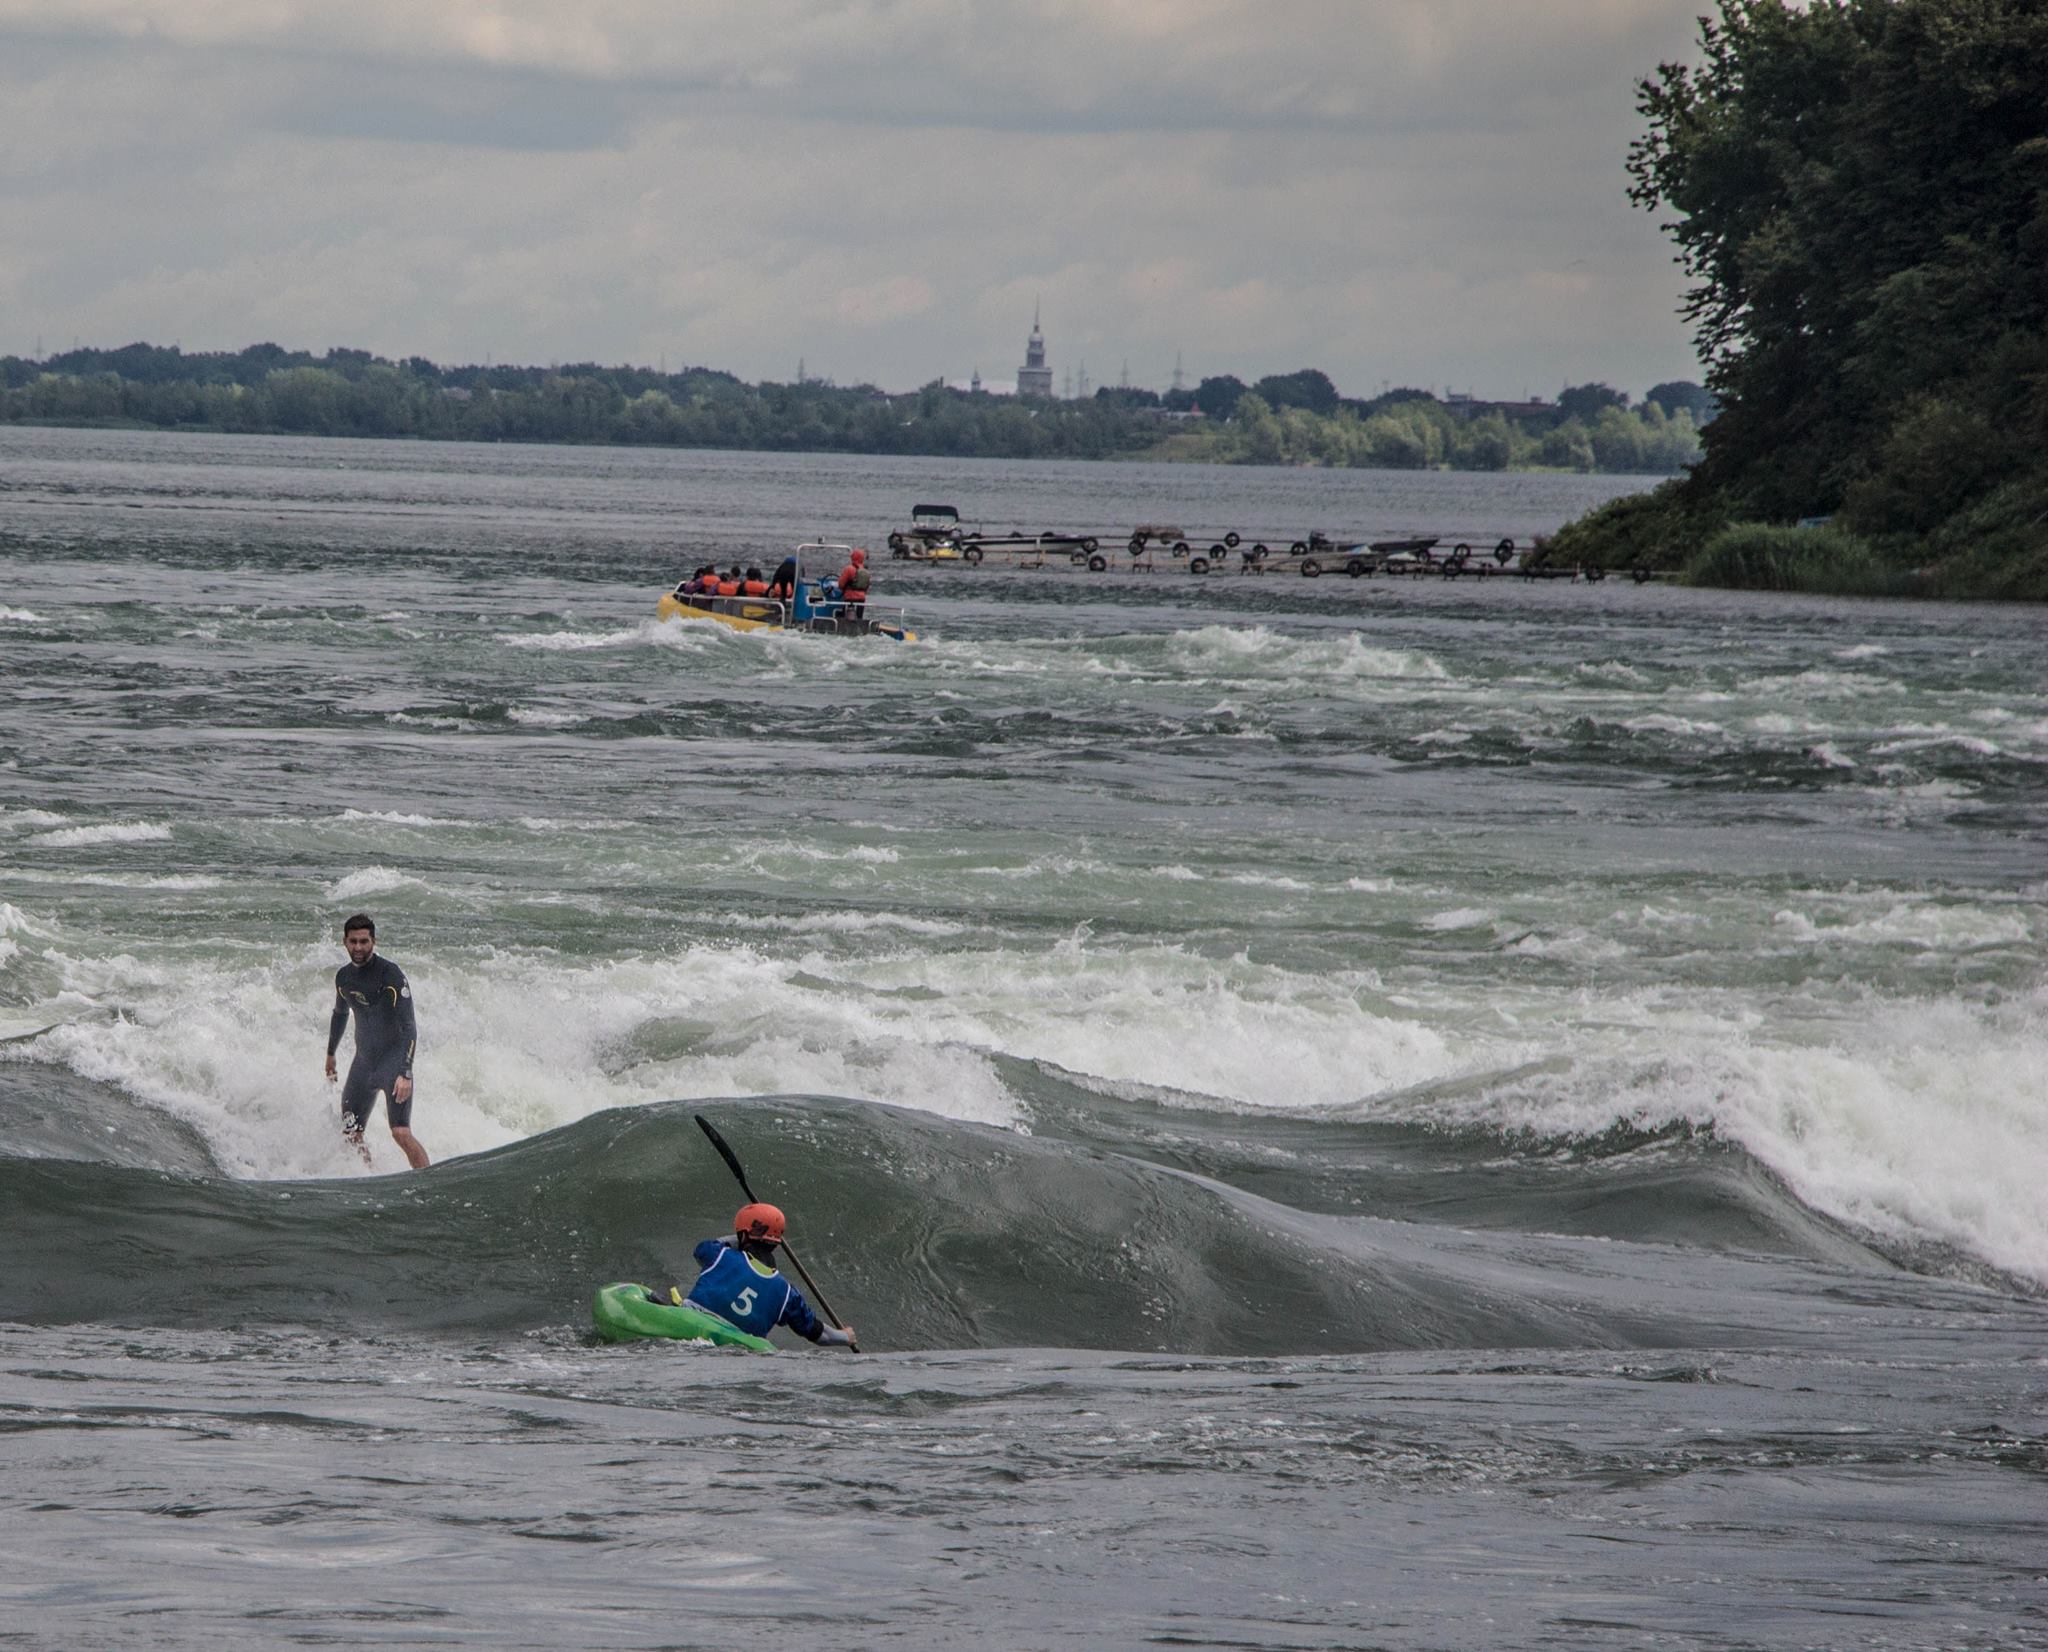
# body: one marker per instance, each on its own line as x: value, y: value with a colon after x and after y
x: 374, y: 989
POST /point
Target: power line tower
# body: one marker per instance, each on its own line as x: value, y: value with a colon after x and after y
x: 1180, y: 380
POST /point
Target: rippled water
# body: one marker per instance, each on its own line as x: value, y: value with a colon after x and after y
x: 1525, y: 1104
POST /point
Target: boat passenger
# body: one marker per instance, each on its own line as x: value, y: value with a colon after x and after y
x: 729, y: 584
x: 740, y: 1283
x: 783, y: 585
x: 853, y: 584
x: 705, y: 584
x: 753, y: 585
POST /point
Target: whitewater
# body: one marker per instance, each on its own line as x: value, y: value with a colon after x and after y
x: 1318, y: 1051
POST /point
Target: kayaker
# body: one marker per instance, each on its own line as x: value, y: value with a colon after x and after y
x: 376, y: 992
x: 740, y: 1283
x: 853, y: 584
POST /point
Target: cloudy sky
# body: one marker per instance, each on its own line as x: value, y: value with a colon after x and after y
x: 1425, y: 192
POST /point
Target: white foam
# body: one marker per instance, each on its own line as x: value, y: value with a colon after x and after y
x: 371, y: 880
x: 20, y: 616
x: 1257, y: 651
x: 540, y: 717
x: 391, y: 817
x: 24, y: 818
x: 131, y: 831
x: 1463, y: 917
x: 658, y: 633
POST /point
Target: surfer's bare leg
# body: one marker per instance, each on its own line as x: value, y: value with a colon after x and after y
x: 409, y: 1145
x: 398, y: 1110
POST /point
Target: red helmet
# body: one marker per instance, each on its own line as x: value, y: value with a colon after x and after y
x: 859, y: 557
x: 763, y: 1223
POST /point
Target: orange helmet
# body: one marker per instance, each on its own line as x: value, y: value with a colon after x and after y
x: 859, y: 557
x: 763, y: 1223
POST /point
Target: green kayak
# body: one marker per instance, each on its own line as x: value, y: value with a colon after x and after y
x: 625, y: 1313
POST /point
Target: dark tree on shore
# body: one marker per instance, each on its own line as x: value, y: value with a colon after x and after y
x: 1859, y: 190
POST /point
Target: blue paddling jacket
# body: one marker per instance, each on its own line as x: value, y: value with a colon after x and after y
x: 752, y: 1295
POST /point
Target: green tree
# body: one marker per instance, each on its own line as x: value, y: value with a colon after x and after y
x: 1859, y: 191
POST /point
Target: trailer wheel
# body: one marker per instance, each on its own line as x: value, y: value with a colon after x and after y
x: 1311, y: 568
x: 1198, y: 564
x: 971, y: 554
x: 1097, y: 564
x: 1230, y: 539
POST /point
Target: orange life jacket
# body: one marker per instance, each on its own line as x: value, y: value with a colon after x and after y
x: 728, y: 588
x: 753, y: 587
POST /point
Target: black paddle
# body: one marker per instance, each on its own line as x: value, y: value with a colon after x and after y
x: 732, y: 1160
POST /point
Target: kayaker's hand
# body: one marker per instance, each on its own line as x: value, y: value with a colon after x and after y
x: 330, y: 1067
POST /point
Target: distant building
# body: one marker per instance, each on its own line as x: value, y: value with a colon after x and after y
x: 1034, y: 378
x: 1468, y: 406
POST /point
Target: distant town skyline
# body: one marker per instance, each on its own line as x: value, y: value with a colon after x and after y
x: 1425, y: 192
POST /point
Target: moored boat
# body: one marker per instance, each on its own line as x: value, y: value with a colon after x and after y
x: 813, y: 605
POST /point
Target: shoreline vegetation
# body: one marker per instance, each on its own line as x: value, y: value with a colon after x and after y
x: 1859, y: 190
x: 1285, y: 419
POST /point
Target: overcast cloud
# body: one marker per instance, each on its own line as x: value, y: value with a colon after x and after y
x: 1424, y: 192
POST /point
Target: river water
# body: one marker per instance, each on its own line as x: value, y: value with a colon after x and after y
x: 1347, y: 1113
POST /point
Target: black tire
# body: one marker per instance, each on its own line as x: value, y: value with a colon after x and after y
x: 1077, y: 557
x: 1089, y: 544
x: 1098, y: 564
x: 971, y: 554
x: 1298, y: 548
x: 1198, y: 564
x: 1642, y: 574
x: 1355, y: 567
x: 1137, y: 543
x: 1216, y: 553
x: 1504, y: 552
x: 1258, y: 553
x: 1461, y: 552
x: 1230, y: 539
x: 1311, y: 568
x: 1180, y: 547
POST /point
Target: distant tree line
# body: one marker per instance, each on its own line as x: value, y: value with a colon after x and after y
x: 1292, y: 418
x: 1859, y: 191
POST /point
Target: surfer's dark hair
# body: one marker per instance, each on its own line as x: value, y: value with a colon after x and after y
x: 361, y: 920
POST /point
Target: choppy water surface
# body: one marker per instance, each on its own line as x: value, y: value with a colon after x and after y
x: 1348, y: 1113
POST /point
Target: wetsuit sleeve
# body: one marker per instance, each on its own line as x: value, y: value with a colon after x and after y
x: 406, y: 1022
x: 337, y: 1023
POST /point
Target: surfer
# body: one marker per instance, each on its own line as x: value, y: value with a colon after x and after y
x: 375, y: 990
x: 740, y: 1283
